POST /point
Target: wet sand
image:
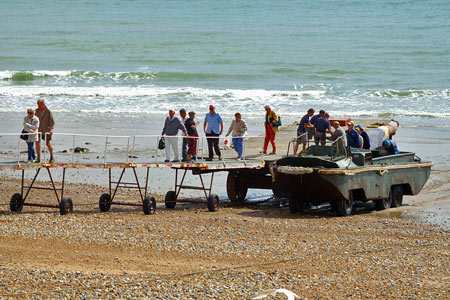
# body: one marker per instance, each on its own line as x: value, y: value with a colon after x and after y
x: 190, y: 253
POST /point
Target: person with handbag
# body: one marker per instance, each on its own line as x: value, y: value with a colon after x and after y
x: 271, y: 125
x: 170, y: 130
x: 31, y: 125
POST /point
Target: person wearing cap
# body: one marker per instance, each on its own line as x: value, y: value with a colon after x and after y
x: 238, y: 128
x: 192, y: 140
x: 364, y: 136
x: 353, y: 139
x: 322, y: 126
x: 170, y: 130
x: 213, y: 127
x: 390, y: 147
x: 46, y: 126
x: 184, y: 147
x: 31, y: 125
x: 271, y: 131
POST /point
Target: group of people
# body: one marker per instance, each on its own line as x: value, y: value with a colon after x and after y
x: 213, y: 128
x: 38, y: 120
x: 311, y: 126
x: 318, y: 125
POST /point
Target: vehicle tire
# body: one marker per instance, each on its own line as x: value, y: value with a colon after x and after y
x: 296, y: 204
x: 171, y: 199
x: 149, y: 205
x: 396, y: 196
x: 383, y: 203
x: 236, y: 191
x: 344, y: 206
x: 16, y: 202
x: 66, y: 206
x: 105, y: 202
x: 213, y: 202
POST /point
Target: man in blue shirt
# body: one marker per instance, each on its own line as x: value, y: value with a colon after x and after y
x: 302, y: 136
x: 213, y: 127
x: 322, y: 127
x: 353, y: 139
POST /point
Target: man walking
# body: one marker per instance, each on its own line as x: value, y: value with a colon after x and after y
x: 213, y: 127
x: 46, y: 126
x: 184, y: 147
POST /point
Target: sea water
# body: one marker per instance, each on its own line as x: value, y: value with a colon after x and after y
x: 114, y: 66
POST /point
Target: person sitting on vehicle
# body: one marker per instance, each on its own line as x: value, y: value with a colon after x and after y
x: 390, y: 147
x: 358, y: 130
x: 365, y: 136
x: 352, y: 136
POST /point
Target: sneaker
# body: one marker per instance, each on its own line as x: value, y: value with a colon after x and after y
x: 167, y: 160
x: 209, y: 159
x: 238, y: 158
x: 272, y: 153
x: 175, y: 160
x: 263, y: 152
x: 37, y: 160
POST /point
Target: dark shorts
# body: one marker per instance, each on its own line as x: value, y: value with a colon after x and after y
x: 49, y: 137
x: 320, y: 137
x: 302, y: 138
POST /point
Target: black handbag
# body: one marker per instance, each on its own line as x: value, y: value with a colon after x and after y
x: 24, y: 136
x: 161, y: 143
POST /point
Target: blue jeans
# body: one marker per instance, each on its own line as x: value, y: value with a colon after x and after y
x: 184, y: 149
x: 237, y: 144
x: 31, y: 154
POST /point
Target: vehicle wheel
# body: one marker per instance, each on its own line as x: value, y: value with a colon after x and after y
x: 16, y: 202
x: 213, y: 202
x: 66, y: 206
x: 396, y: 196
x: 344, y: 206
x: 171, y: 199
x: 149, y: 205
x: 296, y: 205
x: 236, y: 191
x: 382, y: 204
x: 105, y: 202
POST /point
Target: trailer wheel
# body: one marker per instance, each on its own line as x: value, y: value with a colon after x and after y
x: 149, y: 205
x: 383, y: 203
x: 344, y: 206
x: 396, y: 196
x: 66, y: 206
x: 296, y: 204
x: 171, y: 199
x: 16, y: 202
x: 213, y: 202
x: 105, y: 202
x: 236, y: 190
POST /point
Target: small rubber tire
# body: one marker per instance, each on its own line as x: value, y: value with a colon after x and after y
x: 213, y: 202
x: 104, y: 203
x: 382, y: 204
x: 236, y: 191
x: 344, y: 207
x: 396, y: 196
x: 16, y: 202
x: 66, y: 206
x: 296, y: 205
x: 171, y: 199
x: 149, y: 205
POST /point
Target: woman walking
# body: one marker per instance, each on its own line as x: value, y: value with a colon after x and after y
x: 31, y: 125
x: 238, y: 127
